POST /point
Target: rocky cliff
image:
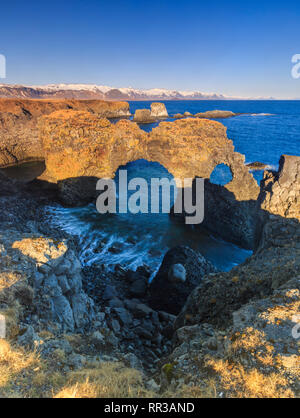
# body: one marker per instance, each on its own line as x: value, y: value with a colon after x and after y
x: 240, y: 330
x: 19, y: 133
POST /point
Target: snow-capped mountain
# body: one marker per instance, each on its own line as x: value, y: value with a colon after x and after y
x: 94, y: 91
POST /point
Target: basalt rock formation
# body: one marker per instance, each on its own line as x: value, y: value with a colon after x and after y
x: 158, y: 111
x: 280, y: 191
x: 19, y: 132
x: 242, y: 327
x: 276, y: 260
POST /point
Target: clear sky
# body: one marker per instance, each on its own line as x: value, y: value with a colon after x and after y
x: 231, y: 47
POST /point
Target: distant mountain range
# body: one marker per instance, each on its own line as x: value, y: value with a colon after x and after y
x: 93, y: 91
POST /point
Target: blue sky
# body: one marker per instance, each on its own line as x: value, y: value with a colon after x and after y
x: 231, y: 47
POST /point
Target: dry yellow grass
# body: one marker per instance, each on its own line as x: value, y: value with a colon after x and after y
x: 250, y: 384
x: 105, y: 380
x: 24, y: 374
x: 15, y: 364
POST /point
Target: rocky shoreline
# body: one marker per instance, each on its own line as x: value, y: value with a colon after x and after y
x: 193, y: 331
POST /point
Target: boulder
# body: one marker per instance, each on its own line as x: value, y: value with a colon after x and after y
x: 180, y: 272
x: 177, y: 273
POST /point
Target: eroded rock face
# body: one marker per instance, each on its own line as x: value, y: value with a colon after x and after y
x: 276, y: 261
x: 280, y: 192
x: 19, y: 132
x: 277, y: 258
x: 80, y: 144
x: 260, y: 346
x: 233, y: 220
x: 50, y: 275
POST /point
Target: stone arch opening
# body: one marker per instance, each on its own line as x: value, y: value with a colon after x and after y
x: 148, y: 179
x: 221, y: 175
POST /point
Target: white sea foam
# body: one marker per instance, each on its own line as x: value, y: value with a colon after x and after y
x: 262, y: 114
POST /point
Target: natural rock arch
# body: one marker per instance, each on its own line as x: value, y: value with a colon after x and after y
x: 80, y: 147
x: 80, y: 144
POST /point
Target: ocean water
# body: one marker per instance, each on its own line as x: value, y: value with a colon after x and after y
x: 264, y: 131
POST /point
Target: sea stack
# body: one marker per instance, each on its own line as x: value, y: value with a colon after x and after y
x: 143, y: 116
x: 158, y: 110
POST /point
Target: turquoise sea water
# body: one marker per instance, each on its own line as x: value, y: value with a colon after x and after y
x: 265, y: 131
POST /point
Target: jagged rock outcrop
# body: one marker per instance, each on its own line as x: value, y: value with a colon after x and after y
x: 80, y: 144
x: 158, y: 110
x: 218, y: 295
x: 46, y: 296
x: 233, y: 220
x: 276, y: 261
x: 238, y: 333
x: 180, y: 272
x: 40, y: 275
x: 19, y: 133
x: 257, y: 356
x: 48, y: 274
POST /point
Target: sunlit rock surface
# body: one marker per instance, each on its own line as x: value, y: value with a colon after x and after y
x: 19, y: 133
